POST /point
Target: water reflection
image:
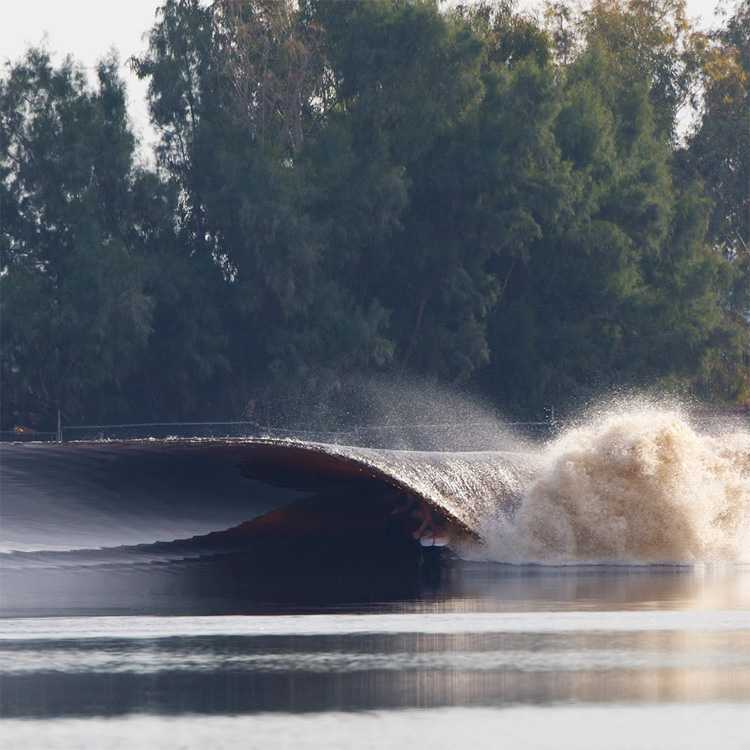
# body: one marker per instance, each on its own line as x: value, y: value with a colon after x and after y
x: 120, y: 680
x: 538, y: 588
x: 482, y: 638
x: 234, y: 586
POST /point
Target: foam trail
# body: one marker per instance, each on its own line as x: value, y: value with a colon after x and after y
x: 638, y: 487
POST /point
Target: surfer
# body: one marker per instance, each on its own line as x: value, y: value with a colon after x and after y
x: 429, y: 532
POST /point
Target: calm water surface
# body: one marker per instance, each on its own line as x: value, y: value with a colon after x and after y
x: 481, y: 656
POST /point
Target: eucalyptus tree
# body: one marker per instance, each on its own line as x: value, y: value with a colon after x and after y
x: 240, y: 91
x: 649, y: 42
x: 408, y: 79
x: 78, y: 217
x: 719, y: 150
x: 617, y: 284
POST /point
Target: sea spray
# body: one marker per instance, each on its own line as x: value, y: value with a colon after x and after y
x: 636, y: 486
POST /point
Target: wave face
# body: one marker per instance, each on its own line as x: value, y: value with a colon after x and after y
x: 466, y: 486
x: 636, y: 487
x: 70, y: 496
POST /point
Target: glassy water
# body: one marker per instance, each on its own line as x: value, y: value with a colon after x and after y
x: 484, y: 656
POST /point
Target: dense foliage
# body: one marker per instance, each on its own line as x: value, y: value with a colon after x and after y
x: 466, y: 194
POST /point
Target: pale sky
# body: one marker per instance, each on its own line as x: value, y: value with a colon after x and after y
x: 88, y: 29
x: 85, y: 29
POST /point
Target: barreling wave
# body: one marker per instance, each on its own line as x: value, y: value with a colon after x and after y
x: 641, y: 486
x: 629, y: 486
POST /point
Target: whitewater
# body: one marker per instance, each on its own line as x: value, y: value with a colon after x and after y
x: 635, y: 486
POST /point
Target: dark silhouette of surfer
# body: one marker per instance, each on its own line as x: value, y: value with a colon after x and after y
x: 430, y: 532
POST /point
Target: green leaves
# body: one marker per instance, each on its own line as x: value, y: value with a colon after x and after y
x: 76, y: 312
x: 466, y: 194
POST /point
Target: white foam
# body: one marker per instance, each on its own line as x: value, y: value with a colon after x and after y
x: 639, y: 486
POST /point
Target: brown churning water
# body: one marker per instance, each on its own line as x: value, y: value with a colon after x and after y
x: 640, y: 486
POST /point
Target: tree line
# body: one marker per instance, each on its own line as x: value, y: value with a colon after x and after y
x: 536, y: 208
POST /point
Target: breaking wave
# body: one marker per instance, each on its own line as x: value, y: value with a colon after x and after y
x: 641, y: 486
x: 629, y: 485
